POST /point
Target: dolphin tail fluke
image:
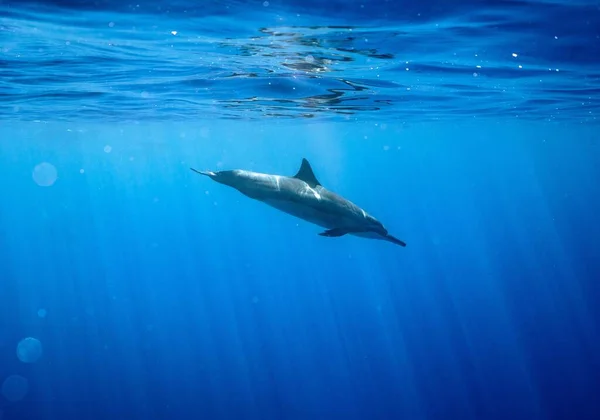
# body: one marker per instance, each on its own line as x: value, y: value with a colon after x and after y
x: 205, y: 173
x: 394, y: 240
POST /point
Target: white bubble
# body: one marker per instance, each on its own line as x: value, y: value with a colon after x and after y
x: 15, y: 387
x: 173, y: 32
x: 309, y: 59
x: 265, y: 3
x: 29, y: 350
x: 111, y: 24
x: 42, y: 313
x: 515, y: 54
x: 81, y: 170
x: 44, y: 174
x: 107, y: 149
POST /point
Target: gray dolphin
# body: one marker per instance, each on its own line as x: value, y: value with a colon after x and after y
x: 303, y: 196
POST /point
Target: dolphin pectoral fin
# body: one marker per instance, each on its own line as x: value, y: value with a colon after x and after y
x: 335, y: 232
x: 394, y: 240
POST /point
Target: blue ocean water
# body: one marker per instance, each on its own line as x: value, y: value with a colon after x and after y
x: 132, y: 288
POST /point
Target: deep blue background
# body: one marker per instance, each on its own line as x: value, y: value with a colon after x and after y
x: 468, y: 128
x: 169, y: 296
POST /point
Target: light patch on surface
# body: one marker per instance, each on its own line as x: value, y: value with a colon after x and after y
x: 44, y: 174
x: 277, y: 182
x: 42, y: 313
x: 364, y: 213
x: 29, y: 350
x: 107, y: 149
x: 15, y: 388
x: 315, y: 193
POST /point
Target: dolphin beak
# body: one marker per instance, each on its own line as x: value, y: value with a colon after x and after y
x: 209, y: 174
x: 394, y: 240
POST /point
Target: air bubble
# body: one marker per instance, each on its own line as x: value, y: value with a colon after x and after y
x: 29, y: 350
x: 15, y: 388
x: 44, y: 174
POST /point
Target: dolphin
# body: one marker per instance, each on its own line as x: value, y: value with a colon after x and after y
x: 303, y: 196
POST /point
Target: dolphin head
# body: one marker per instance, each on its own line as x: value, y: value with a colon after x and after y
x: 375, y: 225
x: 241, y: 180
x: 376, y: 230
x: 235, y: 178
x: 230, y: 178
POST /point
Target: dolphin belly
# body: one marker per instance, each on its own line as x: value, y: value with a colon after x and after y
x: 312, y: 214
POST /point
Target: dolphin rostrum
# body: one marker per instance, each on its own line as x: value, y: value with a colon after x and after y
x: 303, y: 196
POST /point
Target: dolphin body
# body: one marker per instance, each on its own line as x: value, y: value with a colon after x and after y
x: 303, y: 196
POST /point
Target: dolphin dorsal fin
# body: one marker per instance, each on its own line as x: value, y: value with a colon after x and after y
x: 306, y: 174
